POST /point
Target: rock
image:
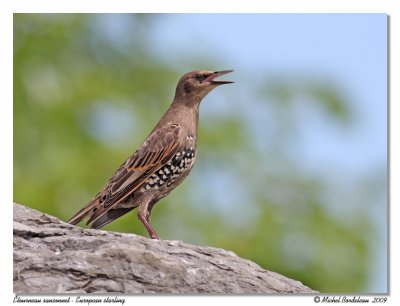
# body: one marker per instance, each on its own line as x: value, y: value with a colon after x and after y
x: 51, y: 256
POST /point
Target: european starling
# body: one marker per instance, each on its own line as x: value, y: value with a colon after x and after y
x: 161, y: 163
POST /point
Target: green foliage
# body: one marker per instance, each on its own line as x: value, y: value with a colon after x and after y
x: 84, y: 100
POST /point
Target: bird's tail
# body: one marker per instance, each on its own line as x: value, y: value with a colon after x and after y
x: 85, y: 212
x: 110, y: 216
x: 98, y: 221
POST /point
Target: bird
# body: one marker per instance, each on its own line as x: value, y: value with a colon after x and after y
x: 160, y: 164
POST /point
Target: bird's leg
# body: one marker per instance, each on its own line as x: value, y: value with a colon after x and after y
x: 144, y: 211
x: 149, y: 228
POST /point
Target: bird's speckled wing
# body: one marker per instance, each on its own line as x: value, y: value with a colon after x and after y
x: 158, y: 148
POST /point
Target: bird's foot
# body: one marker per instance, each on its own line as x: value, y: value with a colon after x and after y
x: 154, y: 236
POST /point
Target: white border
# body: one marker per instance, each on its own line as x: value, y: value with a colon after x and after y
x: 204, y: 6
x: 7, y: 8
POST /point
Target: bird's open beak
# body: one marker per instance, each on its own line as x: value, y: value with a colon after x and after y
x: 216, y: 74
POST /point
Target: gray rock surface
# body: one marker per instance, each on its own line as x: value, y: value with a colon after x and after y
x: 51, y: 256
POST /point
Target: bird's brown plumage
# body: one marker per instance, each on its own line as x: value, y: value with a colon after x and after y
x: 160, y: 164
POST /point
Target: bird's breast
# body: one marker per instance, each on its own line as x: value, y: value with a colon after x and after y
x: 173, y: 172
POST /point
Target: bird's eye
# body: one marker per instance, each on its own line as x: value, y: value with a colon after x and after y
x: 199, y: 77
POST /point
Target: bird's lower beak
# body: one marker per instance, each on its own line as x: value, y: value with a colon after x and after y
x: 216, y: 74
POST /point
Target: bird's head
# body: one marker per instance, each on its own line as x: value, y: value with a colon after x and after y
x: 195, y: 85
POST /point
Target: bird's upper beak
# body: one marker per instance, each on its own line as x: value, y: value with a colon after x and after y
x: 216, y: 74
